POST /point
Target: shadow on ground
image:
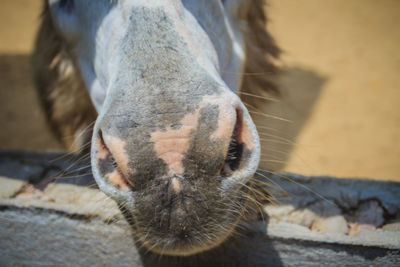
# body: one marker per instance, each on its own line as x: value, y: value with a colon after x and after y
x: 279, y: 122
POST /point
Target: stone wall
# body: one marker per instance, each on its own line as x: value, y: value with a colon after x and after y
x: 51, y: 213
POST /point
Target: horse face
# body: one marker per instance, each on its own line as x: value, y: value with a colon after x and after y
x: 172, y: 144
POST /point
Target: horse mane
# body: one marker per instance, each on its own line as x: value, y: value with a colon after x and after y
x: 66, y: 101
x: 61, y: 90
x: 261, y: 52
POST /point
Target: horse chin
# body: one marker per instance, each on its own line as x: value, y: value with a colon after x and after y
x: 187, y: 245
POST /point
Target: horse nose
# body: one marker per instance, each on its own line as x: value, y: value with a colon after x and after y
x: 242, y: 143
x: 216, y: 139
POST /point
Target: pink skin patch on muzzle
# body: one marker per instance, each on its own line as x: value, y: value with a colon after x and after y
x: 171, y: 144
x: 117, y: 179
x: 176, y: 185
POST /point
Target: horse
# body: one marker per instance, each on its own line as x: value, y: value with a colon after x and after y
x: 154, y: 87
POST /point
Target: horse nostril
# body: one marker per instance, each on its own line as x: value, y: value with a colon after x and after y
x: 235, y: 150
x: 103, y: 147
x: 107, y: 164
x: 234, y: 155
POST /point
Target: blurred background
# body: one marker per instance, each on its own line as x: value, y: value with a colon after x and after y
x: 340, y: 85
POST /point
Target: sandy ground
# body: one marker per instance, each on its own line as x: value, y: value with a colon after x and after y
x: 340, y: 87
